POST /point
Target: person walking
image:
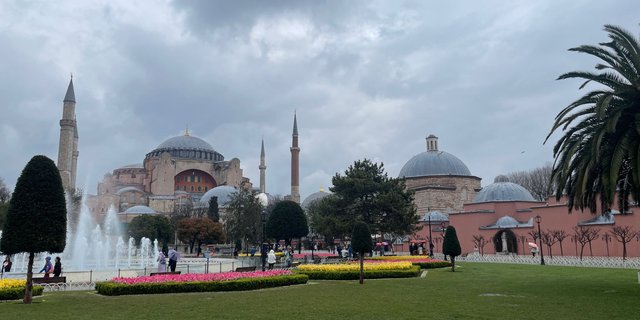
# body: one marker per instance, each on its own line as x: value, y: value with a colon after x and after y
x: 271, y: 259
x: 57, y: 267
x: 173, y: 259
x: 6, y: 265
x: 48, y: 267
x: 162, y: 262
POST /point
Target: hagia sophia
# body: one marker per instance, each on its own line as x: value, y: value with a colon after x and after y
x: 188, y: 170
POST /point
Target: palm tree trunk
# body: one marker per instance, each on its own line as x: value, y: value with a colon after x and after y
x: 28, y: 289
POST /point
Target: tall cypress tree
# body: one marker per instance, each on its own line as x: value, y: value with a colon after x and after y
x: 451, y: 246
x: 37, y: 216
x: 214, y: 209
x: 361, y: 243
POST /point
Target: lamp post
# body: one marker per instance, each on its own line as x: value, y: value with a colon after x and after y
x: 538, y: 219
x: 430, y: 241
x: 263, y: 248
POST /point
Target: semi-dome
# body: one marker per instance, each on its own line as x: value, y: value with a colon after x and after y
x: 222, y: 192
x: 140, y: 210
x: 187, y: 146
x: 503, y: 190
x: 313, y: 197
x: 433, y: 162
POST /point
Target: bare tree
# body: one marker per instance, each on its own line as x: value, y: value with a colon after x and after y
x: 5, y: 193
x: 549, y: 240
x: 584, y: 236
x: 534, y: 235
x: 537, y: 181
x: 479, y: 241
x: 559, y: 235
x: 624, y: 235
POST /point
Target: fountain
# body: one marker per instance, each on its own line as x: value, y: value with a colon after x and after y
x: 91, y: 246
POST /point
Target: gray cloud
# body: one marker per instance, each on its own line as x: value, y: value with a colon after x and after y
x: 368, y: 79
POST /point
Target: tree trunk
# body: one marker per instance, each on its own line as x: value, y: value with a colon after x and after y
x: 300, y: 245
x: 624, y: 251
x: 361, y: 267
x: 561, y: 253
x: 453, y: 263
x: 28, y: 289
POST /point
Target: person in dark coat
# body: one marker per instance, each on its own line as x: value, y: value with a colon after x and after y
x: 57, y: 267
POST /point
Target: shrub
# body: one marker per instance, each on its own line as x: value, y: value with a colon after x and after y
x: 110, y: 288
x: 16, y: 293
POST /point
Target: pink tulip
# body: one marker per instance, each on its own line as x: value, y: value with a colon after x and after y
x: 196, y: 277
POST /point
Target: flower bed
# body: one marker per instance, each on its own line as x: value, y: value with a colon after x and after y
x: 424, y: 263
x: 228, y: 281
x: 351, y: 271
x: 315, y: 255
x: 13, y: 289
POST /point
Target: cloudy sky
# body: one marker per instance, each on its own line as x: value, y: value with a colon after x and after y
x: 368, y: 79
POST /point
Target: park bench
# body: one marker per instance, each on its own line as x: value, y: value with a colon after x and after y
x: 49, y: 280
x: 245, y: 269
x: 161, y: 273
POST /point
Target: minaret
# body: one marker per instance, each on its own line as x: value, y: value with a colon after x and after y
x: 262, y: 168
x: 295, y: 163
x: 76, y: 153
x: 67, y: 147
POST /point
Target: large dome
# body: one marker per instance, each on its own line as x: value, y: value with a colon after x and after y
x: 433, y: 162
x: 187, y: 146
x: 503, y: 190
x: 313, y: 197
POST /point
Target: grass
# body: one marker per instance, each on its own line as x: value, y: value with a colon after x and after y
x: 474, y: 291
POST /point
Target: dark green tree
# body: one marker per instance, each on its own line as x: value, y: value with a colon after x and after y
x: 4, y: 209
x: 451, y: 246
x: 152, y: 227
x: 37, y: 216
x: 598, y: 156
x: 214, y: 211
x: 286, y: 221
x: 326, y: 221
x: 242, y: 219
x: 361, y: 243
x: 365, y: 193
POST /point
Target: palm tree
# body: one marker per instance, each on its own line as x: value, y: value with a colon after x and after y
x: 599, y: 156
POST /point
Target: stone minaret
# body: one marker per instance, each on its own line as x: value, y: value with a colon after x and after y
x: 295, y: 163
x: 262, y: 168
x: 68, y: 146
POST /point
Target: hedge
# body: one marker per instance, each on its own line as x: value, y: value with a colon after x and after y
x: 110, y: 288
x: 355, y: 275
x: 432, y: 264
x: 18, y: 293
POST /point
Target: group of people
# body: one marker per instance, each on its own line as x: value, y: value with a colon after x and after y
x: 344, y: 252
x: 173, y: 256
x: 48, y: 268
x: 418, y: 249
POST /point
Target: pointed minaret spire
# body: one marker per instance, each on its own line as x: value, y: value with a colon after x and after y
x: 70, y: 96
x: 262, y: 168
x: 295, y: 162
x: 295, y: 125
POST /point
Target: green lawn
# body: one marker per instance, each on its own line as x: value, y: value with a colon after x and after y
x: 474, y: 291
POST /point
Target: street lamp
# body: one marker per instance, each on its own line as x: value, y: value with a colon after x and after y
x: 263, y: 247
x: 430, y: 241
x: 538, y: 218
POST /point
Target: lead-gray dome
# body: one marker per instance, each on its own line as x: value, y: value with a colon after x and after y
x: 222, y: 192
x: 433, y: 162
x: 503, y: 190
x: 313, y: 197
x: 187, y: 146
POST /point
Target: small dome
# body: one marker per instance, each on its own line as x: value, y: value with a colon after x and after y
x: 503, y: 191
x: 222, y: 192
x: 434, y: 216
x: 507, y: 222
x: 128, y: 189
x: 313, y: 197
x: 140, y: 210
